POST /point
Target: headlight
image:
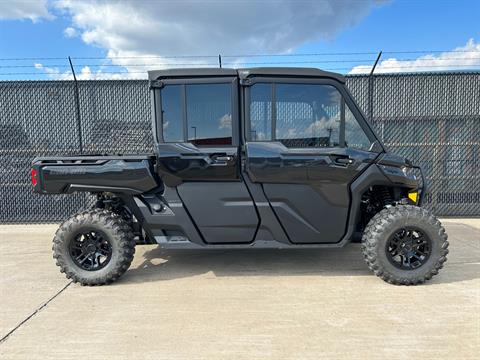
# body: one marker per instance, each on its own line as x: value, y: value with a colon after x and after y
x: 409, y: 172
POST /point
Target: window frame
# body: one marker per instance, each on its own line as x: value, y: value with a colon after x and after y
x: 346, y: 100
x: 184, y: 82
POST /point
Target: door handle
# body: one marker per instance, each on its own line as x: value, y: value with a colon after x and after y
x: 220, y: 160
x: 343, y: 161
x: 223, y: 158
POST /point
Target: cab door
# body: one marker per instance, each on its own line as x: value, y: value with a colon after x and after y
x: 197, y: 153
x: 305, y: 146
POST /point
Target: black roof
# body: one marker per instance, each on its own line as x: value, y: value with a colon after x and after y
x: 190, y: 72
x: 288, y: 71
x: 242, y: 73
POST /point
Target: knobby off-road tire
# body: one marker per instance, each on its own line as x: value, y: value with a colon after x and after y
x: 116, y: 236
x: 385, y: 229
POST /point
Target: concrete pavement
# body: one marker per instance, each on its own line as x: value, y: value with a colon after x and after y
x: 260, y: 304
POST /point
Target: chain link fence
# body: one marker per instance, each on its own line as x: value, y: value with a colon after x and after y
x: 433, y: 119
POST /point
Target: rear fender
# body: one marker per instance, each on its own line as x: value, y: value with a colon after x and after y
x: 162, y: 213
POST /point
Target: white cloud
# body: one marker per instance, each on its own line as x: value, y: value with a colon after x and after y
x: 225, y: 122
x: 155, y: 28
x: 319, y: 128
x: 290, y: 133
x: 85, y: 73
x: 100, y: 74
x: 53, y: 72
x: 70, y: 32
x: 259, y: 135
x: 464, y: 57
x: 23, y: 9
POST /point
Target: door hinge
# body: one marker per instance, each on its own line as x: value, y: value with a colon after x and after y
x: 246, y: 82
x: 156, y: 84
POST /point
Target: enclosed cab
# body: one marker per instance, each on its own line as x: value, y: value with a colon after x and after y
x: 264, y: 157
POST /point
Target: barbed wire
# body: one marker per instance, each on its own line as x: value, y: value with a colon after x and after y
x: 226, y: 63
x: 59, y: 71
x: 242, y: 55
x: 401, y: 67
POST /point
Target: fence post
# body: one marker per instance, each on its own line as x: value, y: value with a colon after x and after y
x: 370, y: 89
x: 77, y: 106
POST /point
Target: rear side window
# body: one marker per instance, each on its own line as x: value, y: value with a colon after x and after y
x: 209, y: 114
x: 204, y: 110
x: 172, y: 126
x: 261, y: 112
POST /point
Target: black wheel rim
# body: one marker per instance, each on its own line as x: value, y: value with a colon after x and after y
x: 91, y: 250
x: 408, y: 248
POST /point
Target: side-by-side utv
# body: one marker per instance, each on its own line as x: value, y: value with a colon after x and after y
x: 248, y: 158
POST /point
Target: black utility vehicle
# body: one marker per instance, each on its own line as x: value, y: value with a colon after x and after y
x: 250, y: 158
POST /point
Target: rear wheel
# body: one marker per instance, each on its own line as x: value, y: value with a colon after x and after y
x: 405, y: 245
x: 94, y: 247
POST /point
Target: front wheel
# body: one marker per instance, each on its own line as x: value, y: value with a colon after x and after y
x: 405, y: 245
x: 94, y: 247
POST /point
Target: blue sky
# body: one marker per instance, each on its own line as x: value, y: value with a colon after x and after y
x: 122, y: 34
x: 410, y: 25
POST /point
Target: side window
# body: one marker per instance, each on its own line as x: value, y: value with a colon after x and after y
x: 355, y: 137
x: 261, y: 112
x: 209, y: 114
x: 172, y: 123
x: 303, y: 115
x: 208, y: 109
x: 307, y: 115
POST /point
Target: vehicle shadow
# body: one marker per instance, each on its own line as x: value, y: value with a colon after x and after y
x: 161, y: 265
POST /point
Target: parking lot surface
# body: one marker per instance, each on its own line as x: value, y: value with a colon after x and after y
x: 243, y: 304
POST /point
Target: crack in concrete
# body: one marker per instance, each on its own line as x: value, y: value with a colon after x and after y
x: 37, y: 310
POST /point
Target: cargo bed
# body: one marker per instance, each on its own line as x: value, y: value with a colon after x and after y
x: 130, y: 174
